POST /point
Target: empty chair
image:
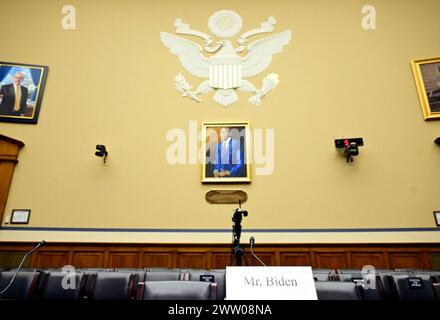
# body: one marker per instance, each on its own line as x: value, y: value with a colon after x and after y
x: 94, y: 270
x: 23, y: 286
x: 139, y: 272
x: 436, y: 287
x: 128, y: 270
x: 435, y: 278
x: 177, y: 290
x: 333, y: 290
x: 163, y: 276
x: 417, y: 287
x: 323, y: 274
x: 161, y: 269
x: 385, y: 286
x: 57, y: 285
x: 111, y: 286
x: 219, y: 277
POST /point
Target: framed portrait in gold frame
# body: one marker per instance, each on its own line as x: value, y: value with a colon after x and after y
x: 226, y: 152
x: 427, y: 76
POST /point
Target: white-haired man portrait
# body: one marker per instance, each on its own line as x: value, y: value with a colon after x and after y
x: 14, y: 97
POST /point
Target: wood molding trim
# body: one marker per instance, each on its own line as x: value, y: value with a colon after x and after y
x: 211, y: 256
x: 9, y: 150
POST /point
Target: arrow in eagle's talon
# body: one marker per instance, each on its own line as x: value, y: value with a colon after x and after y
x: 193, y: 95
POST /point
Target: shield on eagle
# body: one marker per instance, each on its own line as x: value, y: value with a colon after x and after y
x: 225, y: 72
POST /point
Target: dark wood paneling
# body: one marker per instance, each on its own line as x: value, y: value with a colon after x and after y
x: 406, y: 261
x: 9, y: 150
x: 334, y: 256
x: 52, y: 259
x: 220, y: 260
x: 333, y: 260
x: 295, y: 259
x: 157, y: 259
x: 434, y: 257
x: 123, y: 259
x: 267, y: 258
x: 192, y: 260
x: 375, y: 259
x: 88, y: 259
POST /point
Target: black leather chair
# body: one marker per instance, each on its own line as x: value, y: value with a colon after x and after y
x: 23, y: 286
x: 177, y: 290
x: 219, y: 279
x: 436, y: 287
x: 94, y: 270
x: 111, y: 286
x: 57, y: 285
x: 323, y: 274
x: 139, y: 272
x: 163, y: 276
x: 385, y: 286
x: 161, y: 269
x: 334, y: 290
x: 413, y: 286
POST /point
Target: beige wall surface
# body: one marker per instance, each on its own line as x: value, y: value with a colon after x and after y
x: 110, y: 82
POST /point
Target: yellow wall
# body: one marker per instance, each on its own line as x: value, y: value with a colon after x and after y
x: 111, y: 82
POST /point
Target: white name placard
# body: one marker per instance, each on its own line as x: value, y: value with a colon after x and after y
x: 270, y: 283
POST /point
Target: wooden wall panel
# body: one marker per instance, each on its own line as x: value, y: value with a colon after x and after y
x: 434, y: 257
x: 220, y: 260
x: 197, y: 260
x: 295, y: 259
x: 375, y: 259
x: 267, y: 258
x: 210, y: 256
x: 333, y: 260
x: 123, y: 259
x: 157, y: 259
x: 88, y: 260
x: 52, y: 259
x: 9, y: 150
x: 406, y: 261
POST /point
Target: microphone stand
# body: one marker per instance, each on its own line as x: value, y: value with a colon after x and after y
x: 40, y: 244
x: 237, y: 249
x: 252, y: 242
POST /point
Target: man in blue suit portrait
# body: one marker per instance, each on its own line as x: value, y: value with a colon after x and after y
x: 14, y: 97
x: 228, y: 156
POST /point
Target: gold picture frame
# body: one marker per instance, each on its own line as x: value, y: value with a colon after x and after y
x: 225, y: 147
x: 427, y: 76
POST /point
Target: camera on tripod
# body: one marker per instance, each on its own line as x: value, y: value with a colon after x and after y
x: 238, y: 215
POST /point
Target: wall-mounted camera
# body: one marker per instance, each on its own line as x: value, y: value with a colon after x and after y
x: 350, y: 147
x: 102, y: 152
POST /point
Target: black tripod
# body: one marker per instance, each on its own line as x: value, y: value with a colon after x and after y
x: 237, y: 249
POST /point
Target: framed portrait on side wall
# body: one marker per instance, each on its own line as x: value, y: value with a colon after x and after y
x: 427, y: 77
x: 226, y: 152
x: 21, y: 91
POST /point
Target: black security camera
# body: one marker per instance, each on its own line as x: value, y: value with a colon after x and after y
x: 239, y: 213
x: 350, y: 147
x: 102, y: 151
x: 351, y: 150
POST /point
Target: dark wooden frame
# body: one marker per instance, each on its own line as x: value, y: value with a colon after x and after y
x: 14, y: 211
x: 437, y: 220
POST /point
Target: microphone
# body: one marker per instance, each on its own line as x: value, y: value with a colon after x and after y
x: 39, y: 245
x: 252, y: 242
